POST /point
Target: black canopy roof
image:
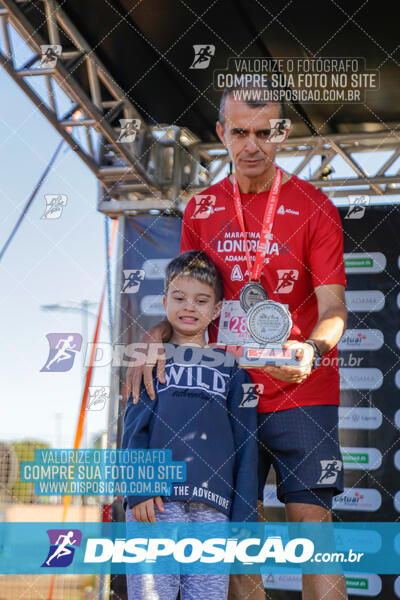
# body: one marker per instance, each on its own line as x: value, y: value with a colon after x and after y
x: 148, y: 48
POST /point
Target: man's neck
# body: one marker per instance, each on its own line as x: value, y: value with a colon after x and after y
x: 252, y: 185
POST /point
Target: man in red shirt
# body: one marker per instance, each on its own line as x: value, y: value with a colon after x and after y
x: 303, y: 269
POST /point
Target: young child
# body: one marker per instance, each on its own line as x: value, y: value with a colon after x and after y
x: 201, y: 414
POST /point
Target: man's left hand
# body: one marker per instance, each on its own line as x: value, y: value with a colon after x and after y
x: 294, y: 374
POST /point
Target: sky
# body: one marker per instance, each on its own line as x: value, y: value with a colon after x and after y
x: 50, y: 262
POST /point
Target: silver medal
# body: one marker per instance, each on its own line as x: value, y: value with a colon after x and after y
x: 269, y: 322
x: 250, y: 294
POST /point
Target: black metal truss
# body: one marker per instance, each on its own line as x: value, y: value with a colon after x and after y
x: 163, y: 166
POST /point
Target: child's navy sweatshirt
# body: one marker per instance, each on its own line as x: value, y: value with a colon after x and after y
x: 206, y: 413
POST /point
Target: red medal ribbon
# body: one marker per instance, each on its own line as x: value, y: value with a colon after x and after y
x: 266, y: 228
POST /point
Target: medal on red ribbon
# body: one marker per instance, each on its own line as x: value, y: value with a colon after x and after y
x: 253, y: 292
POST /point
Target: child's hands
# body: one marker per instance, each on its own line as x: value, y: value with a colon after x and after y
x: 144, y: 511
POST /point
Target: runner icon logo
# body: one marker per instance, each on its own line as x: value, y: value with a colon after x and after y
x: 50, y: 54
x: 62, y: 547
x: 98, y: 396
x: 63, y: 348
x: 251, y: 394
x: 278, y: 130
x: 286, y: 280
x: 129, y: 129
x: 202, y: 55
x: 54, y: 206
x: 132, y: 280
x: 357, y: 207
x: 330, y: 471
x: 205, y: 206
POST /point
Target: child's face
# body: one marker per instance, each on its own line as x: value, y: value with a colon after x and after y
x: 190, y: 305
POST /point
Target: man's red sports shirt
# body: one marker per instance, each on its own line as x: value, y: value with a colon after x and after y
x: 306, y: 251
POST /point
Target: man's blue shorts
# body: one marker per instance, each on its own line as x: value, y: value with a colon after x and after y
x: 302, y: 445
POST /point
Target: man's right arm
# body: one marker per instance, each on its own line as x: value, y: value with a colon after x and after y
x: 136, y: 372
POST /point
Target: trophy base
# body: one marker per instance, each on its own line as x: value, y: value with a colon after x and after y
x: 257, y: 356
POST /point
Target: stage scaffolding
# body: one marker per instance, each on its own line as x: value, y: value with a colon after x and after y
x: 165, y: 164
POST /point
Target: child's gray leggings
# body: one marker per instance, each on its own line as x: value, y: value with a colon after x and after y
x: 192, y: 587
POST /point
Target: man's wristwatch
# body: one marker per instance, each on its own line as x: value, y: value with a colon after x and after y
x: 317, y: 353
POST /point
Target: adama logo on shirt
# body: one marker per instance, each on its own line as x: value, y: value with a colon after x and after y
x: 287, y: 211
x: 236, y: 274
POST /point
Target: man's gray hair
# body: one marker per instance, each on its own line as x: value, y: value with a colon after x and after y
x: 253, y: 97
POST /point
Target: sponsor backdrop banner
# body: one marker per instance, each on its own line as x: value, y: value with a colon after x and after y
x: 369, y: 354
x: 151, y: 241
x: 369, y: 361
x: 370, y: 368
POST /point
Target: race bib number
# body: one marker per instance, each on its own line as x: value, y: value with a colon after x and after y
x: 232, y: 325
